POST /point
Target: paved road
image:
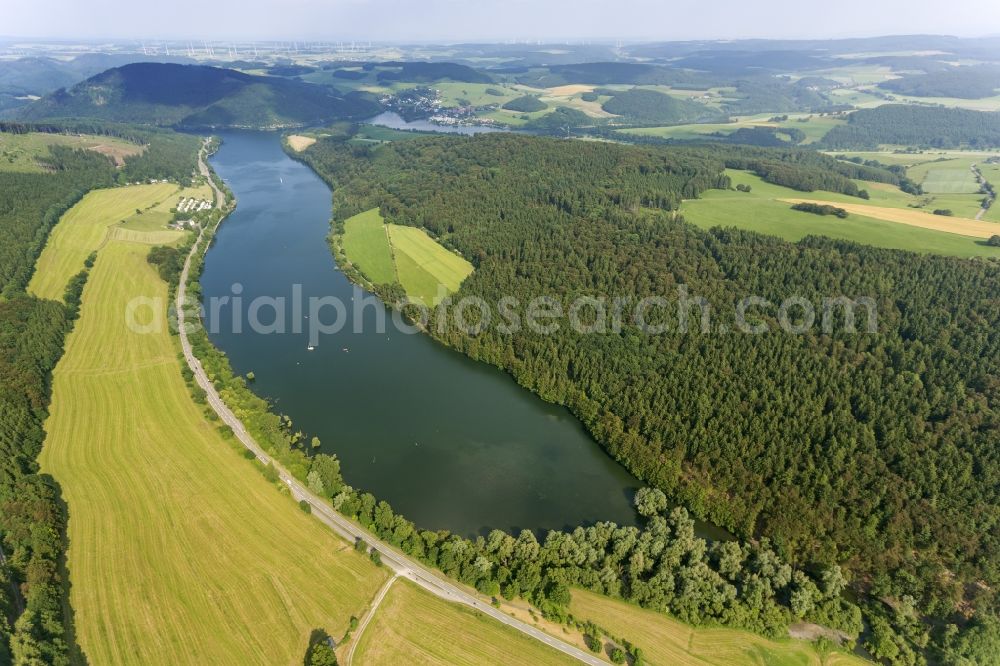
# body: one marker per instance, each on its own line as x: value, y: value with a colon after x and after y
x: 400, y: 563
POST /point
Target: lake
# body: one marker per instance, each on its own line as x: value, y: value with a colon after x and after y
x: 393, y: 120
x: 449, y: 442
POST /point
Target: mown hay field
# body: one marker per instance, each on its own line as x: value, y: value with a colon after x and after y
x: 83, y: 228
x: 180, y: 552
x: 412, y: 626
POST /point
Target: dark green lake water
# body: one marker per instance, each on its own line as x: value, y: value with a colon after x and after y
x: 449, y: 442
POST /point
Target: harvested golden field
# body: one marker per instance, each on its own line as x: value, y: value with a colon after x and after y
x: 84, y: 228
x: 299, y: 142
x: 569, y: 90
x: 180, y: 552
x: 412, y: 626
x: 916, y: 218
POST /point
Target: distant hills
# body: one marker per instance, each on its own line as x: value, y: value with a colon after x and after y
x: 650, y: 107
x: 198, y: 96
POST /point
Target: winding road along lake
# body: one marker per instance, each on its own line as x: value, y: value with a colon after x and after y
x: 449, y: 442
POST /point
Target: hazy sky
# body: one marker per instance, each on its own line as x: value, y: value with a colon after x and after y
x: 497, y: 20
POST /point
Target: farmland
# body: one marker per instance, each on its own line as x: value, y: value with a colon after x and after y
x: 767, y: 209
x: 367, y: 245
x: 157, y: 216
x: 422, y: 264
x: 22, y: 152
x: 813, y: 126
x: 388, y: 253
x: 299, y: 142
x: 179, y: 552
x: 412, y: 626
x: 916, y: 218
x: 83, y: 229
x: 946, y: 176
x: 667, y: 642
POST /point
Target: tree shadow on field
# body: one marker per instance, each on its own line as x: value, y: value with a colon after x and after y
x: 77, y: 656
x: 321, y: 650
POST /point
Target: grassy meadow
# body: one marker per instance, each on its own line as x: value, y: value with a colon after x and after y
x: 84, y: 228
x: 412, y: 626
x: 813, y: 126
x: 366, y: 243
x: 766, y: 210
x: 423, y: 264
x: 179, y: 551
x: 21, y: 152
x: 667, y: 642
x: 950, y: 181
x: 388, y: 253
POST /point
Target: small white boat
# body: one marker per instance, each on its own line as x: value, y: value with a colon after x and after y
x: 310, y: 348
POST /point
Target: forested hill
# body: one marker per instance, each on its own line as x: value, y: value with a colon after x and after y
x: 197, y: 96
x: 877, y: 451
x: 899, y: 124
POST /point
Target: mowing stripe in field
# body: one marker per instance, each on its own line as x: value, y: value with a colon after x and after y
x: 179, y: 551
x: 446, y: 267
x: 388, y: 253
x: 419, y: 283
x: 164, y: 237
x: 412, y: 626
x: 82, y: 230
x: 956, y: 180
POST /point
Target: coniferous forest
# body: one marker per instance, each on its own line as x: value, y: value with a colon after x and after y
x: 872, y: 450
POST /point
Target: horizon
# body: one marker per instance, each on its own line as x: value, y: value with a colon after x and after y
x: 542, y: 41
x: 492, y: 22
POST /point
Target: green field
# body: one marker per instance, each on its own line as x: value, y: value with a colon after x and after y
x: 366, y: 243
x: 474, y: 93
x: 950, y: 183
x: 412, y: 626
x: 667, y: 642
x: 423, y: 264
x: 156, y: 217
x: 950, y: 180
x: 388, y: 253
x: 814, y: 127
x: 179, y: 551
x: 761, y: 211
x: 953, y: 164
x: 379, y: 134
x: 991, y: 172
x: 82, y: 230
x: 21, y: 152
